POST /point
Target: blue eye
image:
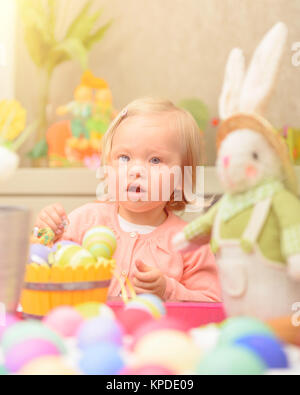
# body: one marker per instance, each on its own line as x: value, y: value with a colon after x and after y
x: 124, y: 158
x: 155, y: 161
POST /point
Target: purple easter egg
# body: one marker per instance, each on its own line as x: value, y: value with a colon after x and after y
x: 97, y: 330
x: 63, y: 244
x: 39, y: 254
x: 21, y: 354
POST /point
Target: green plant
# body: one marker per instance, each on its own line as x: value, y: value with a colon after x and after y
x: 198, y: 110
x: 39, y: 18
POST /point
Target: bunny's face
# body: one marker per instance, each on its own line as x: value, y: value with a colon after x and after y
x: 245, y: 160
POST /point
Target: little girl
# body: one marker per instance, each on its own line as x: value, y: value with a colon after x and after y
x: 147, y: 139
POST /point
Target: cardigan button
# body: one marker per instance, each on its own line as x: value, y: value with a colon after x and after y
x: 133, y: 235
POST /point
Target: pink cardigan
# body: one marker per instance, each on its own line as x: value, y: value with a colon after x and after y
x: 190, y: 277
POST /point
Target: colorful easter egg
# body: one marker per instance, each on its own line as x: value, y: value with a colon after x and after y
x: 132, y: 319
x: 22, y: 353
x: 148, y: 370
x: 101, y: 242
x: 149, y: 303
x: 39, y: 254
x: 237, y: 327
x: 101, y: 359
x: 269, y: 349
x: 47, y: 366
x: 94, y: 309
x: 206, y: 338
x: 63, y: 243
x: 165, y: 323
x: 46, y: 236
x: 170, y: 349
x: 3, y: 371
x: 64, y: 320
x: 231, y: 360
x: 28, y: 330
x: 73, y: 256
x: 98, y: 330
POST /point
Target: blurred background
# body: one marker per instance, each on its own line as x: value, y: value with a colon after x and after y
x: 171, y: 48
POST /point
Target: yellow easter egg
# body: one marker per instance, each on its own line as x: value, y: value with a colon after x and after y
x: 170, y: 349
x: 73, y: 256
x: 48, y: 366
x: 100, y: 242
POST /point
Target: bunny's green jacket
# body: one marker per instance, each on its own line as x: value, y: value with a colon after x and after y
x: 280, y: 237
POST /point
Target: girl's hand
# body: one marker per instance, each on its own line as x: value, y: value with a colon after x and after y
x: 53, y: 217
x: 149, y: 280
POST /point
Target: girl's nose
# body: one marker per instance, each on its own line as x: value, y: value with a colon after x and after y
x: 136, y: 171
x: 226, y: 161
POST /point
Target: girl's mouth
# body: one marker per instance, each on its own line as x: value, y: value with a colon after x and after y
x: 135, y: 188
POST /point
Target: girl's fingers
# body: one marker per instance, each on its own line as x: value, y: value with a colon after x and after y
x: 145, y: 286
x: 54, y: 216
x: 41, y: 224
x: 148, y: 277
x: 60, y: 211
x: 47, y: 222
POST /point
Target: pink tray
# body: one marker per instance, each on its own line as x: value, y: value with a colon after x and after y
x: 194, y: 314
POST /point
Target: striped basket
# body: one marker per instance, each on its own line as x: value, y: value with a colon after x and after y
x: 49, y: 287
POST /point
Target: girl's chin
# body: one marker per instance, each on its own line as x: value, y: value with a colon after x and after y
x: 140, y: 206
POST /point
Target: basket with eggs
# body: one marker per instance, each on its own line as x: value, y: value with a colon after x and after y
x: 66, y: 273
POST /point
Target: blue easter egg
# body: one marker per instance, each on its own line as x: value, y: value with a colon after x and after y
x: 98, y: 330
x: 39, y: 254
x: 101, y: 359
x: 269, y: 349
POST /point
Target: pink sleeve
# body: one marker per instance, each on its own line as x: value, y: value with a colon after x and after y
x: 200, y: 282
x: 81, y: 220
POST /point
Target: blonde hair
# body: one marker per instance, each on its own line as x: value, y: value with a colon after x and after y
x: 192, y: 137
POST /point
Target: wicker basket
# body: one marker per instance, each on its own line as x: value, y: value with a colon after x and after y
x: 49, y: 287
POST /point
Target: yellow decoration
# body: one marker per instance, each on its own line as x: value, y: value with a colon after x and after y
x: 49, y: 287
x: 88, y: 79
x: 12, y: 120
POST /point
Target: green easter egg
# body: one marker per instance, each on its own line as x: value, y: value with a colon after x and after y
x: 3, y: 371
x: 236, y: 327
x: 73, y: 256
x: 100, y: 242
x: 30, y: 330
x: 231, y: 360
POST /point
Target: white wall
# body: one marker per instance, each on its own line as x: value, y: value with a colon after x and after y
x: 7, y: 48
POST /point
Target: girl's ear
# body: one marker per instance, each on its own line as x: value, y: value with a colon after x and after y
x: 234, y: 78
x: 263, y: 70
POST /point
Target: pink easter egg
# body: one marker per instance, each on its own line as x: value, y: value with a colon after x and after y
x: 25, y: 352
x: 150, y: 370
x: 64, y: 320
x: 133, y: 319
x: 8, y: 321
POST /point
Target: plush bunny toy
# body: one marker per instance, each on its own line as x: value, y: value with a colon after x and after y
x: 255, y: 227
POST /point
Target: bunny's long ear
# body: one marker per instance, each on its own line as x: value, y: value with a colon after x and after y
x: 263, y: 70
x: 234, y: 78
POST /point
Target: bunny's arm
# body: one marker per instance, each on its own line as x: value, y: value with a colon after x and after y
x: 193, y: 232
x: 287, y: 209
